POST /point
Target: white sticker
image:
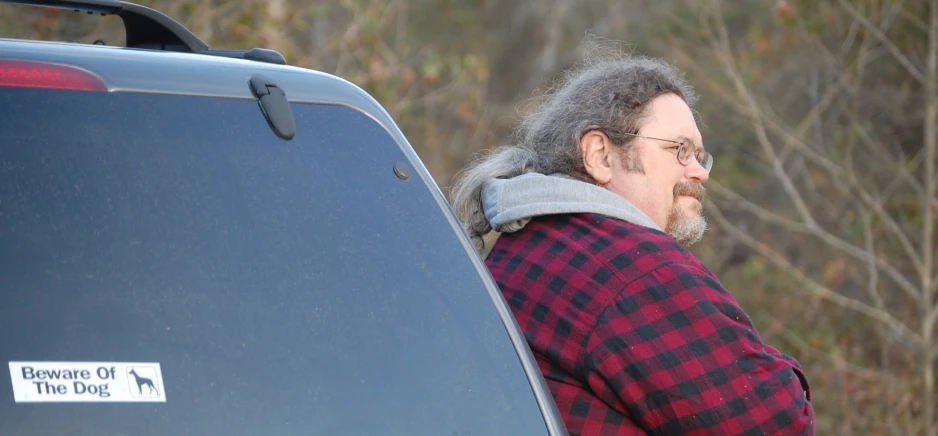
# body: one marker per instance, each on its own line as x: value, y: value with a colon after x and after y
x: 86, y: 382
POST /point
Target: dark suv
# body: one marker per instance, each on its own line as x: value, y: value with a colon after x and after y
x: 215, y: 243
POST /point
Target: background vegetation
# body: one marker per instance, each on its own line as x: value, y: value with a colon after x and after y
x: 821, y: 115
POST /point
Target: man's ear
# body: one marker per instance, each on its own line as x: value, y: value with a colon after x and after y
x: 597, y: 151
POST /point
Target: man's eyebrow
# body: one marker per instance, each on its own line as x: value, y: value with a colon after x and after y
x: 682, y: 138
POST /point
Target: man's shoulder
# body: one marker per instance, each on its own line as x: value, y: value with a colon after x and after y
x: 624, y: 248
x: 613, y: 235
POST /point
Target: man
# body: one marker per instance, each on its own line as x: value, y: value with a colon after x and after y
x: 633, y: 334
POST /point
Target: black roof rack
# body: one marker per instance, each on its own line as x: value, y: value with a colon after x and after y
x: 151, y: 29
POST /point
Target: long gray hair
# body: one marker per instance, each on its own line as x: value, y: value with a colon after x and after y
x: 606, y: 94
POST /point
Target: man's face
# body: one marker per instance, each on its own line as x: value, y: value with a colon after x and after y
x: 670, y: 193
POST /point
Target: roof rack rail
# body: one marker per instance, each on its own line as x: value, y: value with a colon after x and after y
x: 151, y: 29
x: 254, y: 54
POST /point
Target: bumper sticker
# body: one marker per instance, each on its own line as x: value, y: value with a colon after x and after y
x: 86, y: 382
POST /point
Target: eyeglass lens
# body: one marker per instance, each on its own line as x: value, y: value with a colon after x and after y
x: 687, y: 151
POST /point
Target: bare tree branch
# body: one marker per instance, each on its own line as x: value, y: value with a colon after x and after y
x: 912, y: 69
x: 930, y: 283
x: 849, y: 40
x: 400, y: 24
x: 931, y: 152
x: 890, y: 14
x: 915, y: 20
x: 874, y: 204
x: 812, y: 286
x: 836, y: 170
x: 931, y: 155
x: 871, y: 267
x: 725, y: 55
x: 554, y: 23
x: 928, y: 225
x: 827, y: 237
x: 758, y: 118
x: 434, y: 97
x: 345, y: 42
x: 903, y: 174
x: 854, y: 369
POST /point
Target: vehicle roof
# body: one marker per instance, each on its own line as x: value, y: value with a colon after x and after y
x: 167, y: 72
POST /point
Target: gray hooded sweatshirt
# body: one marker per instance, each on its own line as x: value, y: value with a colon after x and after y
x: 510, y: 203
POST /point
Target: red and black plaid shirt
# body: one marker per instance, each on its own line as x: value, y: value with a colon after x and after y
x: 635, y: 336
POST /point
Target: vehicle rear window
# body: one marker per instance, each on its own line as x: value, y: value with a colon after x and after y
x: 295, y: 288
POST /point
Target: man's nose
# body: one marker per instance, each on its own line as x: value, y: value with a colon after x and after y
x: 695, y: 171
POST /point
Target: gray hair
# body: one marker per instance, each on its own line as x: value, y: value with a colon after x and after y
x: 608, y: 94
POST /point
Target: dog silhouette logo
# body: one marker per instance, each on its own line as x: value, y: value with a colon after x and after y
x: 141, y: 383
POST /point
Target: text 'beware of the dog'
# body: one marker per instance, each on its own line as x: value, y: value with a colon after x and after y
x: 87, y: 382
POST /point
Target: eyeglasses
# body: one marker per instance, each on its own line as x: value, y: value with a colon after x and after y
x: 685, y: 150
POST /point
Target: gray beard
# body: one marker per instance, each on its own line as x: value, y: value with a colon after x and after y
x: 685, y: 229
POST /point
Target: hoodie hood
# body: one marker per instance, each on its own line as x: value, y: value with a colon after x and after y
x: 510, y: 203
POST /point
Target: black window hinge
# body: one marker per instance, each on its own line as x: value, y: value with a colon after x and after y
x: 275, y: 106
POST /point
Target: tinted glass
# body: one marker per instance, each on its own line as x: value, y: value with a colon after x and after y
x: 295, y: 288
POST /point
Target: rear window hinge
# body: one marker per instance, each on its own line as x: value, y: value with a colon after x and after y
x: 275, y: 106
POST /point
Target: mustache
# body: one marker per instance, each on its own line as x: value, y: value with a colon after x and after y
x: 695, y: 190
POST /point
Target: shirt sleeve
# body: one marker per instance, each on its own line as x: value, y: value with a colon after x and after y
x: 676, y: 353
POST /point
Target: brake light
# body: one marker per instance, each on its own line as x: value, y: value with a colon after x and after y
x: 29, y: 74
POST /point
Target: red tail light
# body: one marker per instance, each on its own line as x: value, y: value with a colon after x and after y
x: 29, y: 74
